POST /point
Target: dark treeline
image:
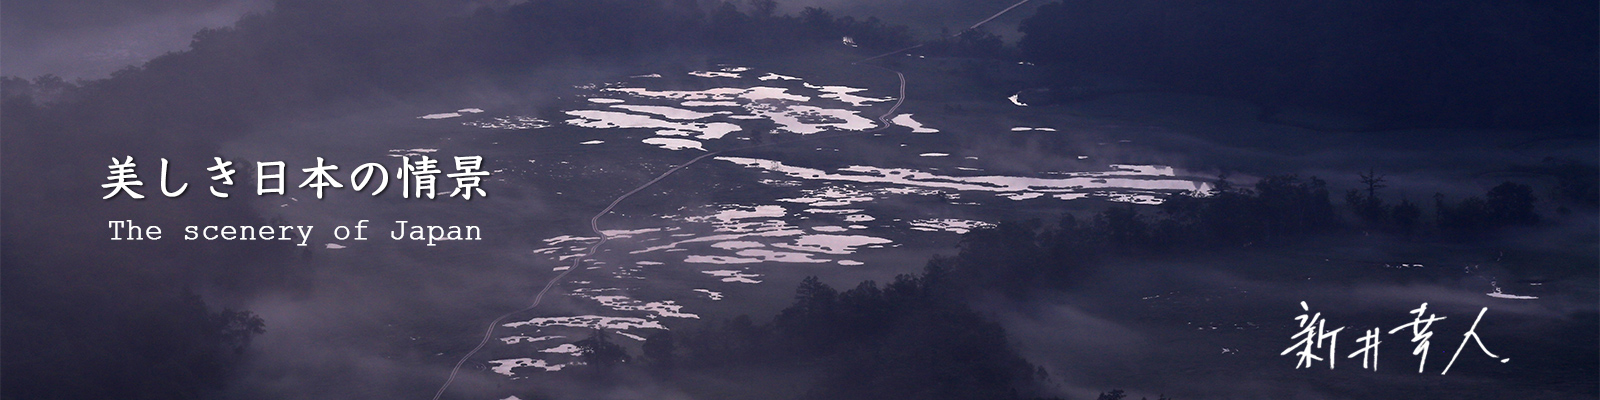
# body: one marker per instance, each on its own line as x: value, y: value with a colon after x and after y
x: 977, y: 43
x: 912, y: 338
x: 89, y: 318
x: 916, y: 337
x: 1018, y: 257
x: 1408, y: 63
x: 86, y: 317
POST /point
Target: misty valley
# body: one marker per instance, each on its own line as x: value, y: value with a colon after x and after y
x: 823, y: 200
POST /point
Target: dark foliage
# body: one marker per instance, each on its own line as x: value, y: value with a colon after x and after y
x: 171, y: 347
x: 599, y: 353
x: 1279, y: 209
x: 1406, y: 217
x: 1366, y: 203
x: 912, y: 338
x: 1506, y: 205
x: 1118, y: 394
x: 661, y: 351
x: 977, y: 43
x: 88, y: 319
x: 1577, y: 185
x: 1114, y: 394
x: 732, y: 341
x: 1014, y: 257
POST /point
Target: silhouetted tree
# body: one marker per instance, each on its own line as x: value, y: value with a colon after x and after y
x: 1406, y: 216
x: 659, y: 350
x: 1115, y: 394
x: 1508, y: 204
x: 763, y: 9
x: 1366, y: 203
x: 1014, y: 250
x: 599, y: 352
x: 818, y: 23
x: 1123, y: 227
x: 728, y: 24
x: 1511, y: 204
x: 1289, y: 206
x: 813, y: 314
x: 977, y: 43
x: 912, y: 339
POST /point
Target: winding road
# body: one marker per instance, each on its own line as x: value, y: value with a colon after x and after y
x: 594, y: 222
